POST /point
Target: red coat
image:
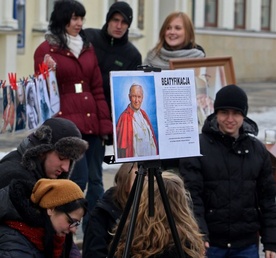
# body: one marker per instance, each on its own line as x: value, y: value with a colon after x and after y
x: 88, y: 110
x: 124, y: 132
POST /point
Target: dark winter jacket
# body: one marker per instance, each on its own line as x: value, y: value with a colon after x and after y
x: 12, y: 242
x: 11, y: 166
x: 232, y: 187
x: 12, y: 208
x: 113, y: 54
x: 25, y: 162
x: 88, y: 108
x: 104, y: 217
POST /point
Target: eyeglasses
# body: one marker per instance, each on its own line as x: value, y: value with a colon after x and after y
x: 72, y: 222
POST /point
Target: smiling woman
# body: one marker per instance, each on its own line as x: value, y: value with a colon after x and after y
x: 176, y: 40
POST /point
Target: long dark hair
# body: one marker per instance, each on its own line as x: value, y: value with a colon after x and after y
x: 60, y: 18
x: 50, y: 232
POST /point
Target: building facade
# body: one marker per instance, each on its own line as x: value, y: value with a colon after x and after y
x: 242, y: 29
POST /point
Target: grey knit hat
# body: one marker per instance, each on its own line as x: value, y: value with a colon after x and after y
x: 57, y: 134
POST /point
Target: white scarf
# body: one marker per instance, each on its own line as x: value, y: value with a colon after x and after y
x: 75, y: 44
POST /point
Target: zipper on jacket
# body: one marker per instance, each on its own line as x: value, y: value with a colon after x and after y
x: 112, y: 42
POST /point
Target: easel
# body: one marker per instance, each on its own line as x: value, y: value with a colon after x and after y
x: 152, y: 169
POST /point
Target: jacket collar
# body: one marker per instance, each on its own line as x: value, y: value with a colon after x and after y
x: 113, y: 41
x: 211, y: 126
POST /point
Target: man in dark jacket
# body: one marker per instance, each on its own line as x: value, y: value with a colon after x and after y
x: 231, y: 185
x: 98, y: 233
x: 114, y: 52
x: 113, y: 49
x: 49, y: 152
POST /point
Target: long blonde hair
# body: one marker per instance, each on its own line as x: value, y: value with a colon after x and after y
x: 153, y: 235
x: 188, y: 26
x: 123, y: 182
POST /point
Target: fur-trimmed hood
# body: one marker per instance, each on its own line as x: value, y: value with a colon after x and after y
x: 46, y: 139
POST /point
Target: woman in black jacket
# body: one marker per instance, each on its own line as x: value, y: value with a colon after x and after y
x: 107, y: 213
x: 41, y: 222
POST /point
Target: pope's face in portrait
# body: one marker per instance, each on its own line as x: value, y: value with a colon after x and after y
x: 201, y: 100
x: 136, y: 97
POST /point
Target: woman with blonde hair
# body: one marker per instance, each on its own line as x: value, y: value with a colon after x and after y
x: 176, y: 40
x: 107, y: 213
x: 152, y: 235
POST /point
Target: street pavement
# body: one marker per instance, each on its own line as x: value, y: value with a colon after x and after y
x: 262, y: 109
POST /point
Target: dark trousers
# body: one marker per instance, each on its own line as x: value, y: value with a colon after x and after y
x: 245, y: 252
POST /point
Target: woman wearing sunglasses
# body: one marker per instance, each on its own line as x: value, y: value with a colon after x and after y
x: 39, y: 220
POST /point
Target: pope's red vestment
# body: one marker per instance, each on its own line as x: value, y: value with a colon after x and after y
x: 124, y: 131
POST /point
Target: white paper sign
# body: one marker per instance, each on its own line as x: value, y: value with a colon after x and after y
x: 154, y: 115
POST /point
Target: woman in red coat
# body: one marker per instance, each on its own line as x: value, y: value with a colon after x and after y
x: 82, y: 100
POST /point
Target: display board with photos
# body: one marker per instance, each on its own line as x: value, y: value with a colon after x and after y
x: 28, y: 103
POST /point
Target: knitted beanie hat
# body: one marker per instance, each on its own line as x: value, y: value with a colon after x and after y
x: 50, y: 193
x: 57, y: 134
x: 122, y: 8
x: 231, y: 97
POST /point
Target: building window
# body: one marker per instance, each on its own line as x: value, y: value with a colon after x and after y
x: 211, y: 13
x: 19, y: 15
x: 240, y: 14
x: 265, y: 14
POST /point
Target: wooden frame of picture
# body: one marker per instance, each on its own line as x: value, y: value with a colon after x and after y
x: 225, y: 62
x: 211, y: 74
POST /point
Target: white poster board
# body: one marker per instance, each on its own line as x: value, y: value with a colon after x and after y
x: 154, y: 115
